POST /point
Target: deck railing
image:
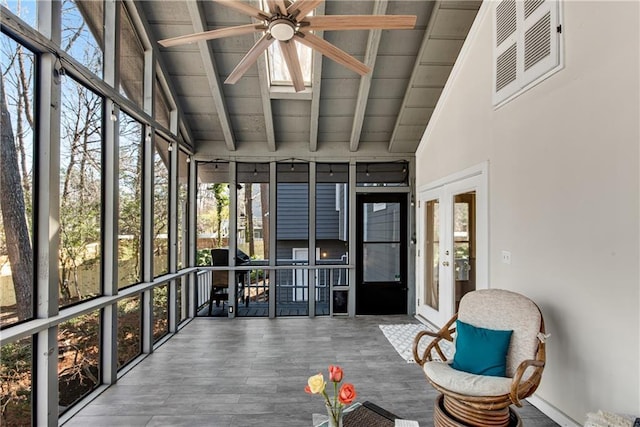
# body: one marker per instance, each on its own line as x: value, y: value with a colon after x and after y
x: 292, y: 281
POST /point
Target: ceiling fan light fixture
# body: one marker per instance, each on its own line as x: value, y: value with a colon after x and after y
x: 282, y: 29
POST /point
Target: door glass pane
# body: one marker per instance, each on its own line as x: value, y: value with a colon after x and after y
x: 432, y: 253
x: 464, y: 244
x: 381, y: 242
x: 381, y: 262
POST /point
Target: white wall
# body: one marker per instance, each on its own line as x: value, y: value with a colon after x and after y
x: 564, y: 192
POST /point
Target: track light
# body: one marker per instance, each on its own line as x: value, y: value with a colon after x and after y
x: 255, y: 170
x: 293, y: 168
x: 330, y: 171
x: 367, y: 170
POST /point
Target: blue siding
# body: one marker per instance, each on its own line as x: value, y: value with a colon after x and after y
x: 293, y: 211
x: 327, y: 217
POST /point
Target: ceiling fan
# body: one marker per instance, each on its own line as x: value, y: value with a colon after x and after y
x: 287, y: 21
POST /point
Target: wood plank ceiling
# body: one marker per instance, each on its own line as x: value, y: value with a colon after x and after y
x: 383, y: 113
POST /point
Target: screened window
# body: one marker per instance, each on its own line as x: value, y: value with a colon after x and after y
x: 16, y: 174
x: 292, y: 233
x: 130, y: 180
x: 162, y: 110
x: 392, y: 174
x: 253, y: 210
x: 253, y: 235
x: 78, y: 358
x: 24, y: 9
x: 213, y: 209
x: 83, y: 33
x: 161, y: 162
x: 129, y: 329
x: 16, y: 360
x: 131, y: 60
x: 80, y: 251
x: 183, y: 205
x: 332, y: 232
x: 160, y: 312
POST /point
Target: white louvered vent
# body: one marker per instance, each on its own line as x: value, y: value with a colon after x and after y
x: 506, y: 67
x: 505, y: 20
x: 527, y: 45
x: 537, y: 42
x: 530, y: 6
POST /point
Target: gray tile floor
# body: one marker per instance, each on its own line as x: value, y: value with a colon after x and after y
x: 250, y: 372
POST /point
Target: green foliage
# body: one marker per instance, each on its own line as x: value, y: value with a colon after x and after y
x: 203, y: 257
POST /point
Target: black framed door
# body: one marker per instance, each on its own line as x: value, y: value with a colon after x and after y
x: 381, y: 267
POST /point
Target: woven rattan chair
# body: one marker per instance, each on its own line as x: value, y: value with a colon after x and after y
x: 478, y: 400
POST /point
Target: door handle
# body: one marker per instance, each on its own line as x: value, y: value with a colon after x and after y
x: 445, y: 263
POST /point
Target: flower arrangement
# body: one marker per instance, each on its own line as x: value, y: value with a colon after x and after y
x: 342, y: 396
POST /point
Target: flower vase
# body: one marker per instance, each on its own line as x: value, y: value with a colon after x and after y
x: 335, y: 416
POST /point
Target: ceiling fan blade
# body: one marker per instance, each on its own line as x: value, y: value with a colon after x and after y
x: 301, y: 7
x: 360, y: 22
x: 277, y: 6
x: 244, y: 8
x: 248, y: 60
x: 213, y: 34
x: 290, y: 54
x: 332, y: 52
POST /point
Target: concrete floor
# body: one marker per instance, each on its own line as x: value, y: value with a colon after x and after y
x: 250, y: 372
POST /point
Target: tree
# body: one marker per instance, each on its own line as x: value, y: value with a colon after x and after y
x: 248, y: 205
x: 222, y: 201
x: 264, y: 202
x: 12, y: 205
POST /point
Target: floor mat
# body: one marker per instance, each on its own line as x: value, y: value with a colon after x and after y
x: 401, y: 337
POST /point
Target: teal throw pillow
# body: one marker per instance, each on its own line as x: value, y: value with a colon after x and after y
x: 481, y: 351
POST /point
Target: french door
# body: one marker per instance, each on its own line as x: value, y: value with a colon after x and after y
x: 452, y: 257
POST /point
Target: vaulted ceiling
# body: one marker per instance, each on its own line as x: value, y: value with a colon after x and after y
x: 381, y: 113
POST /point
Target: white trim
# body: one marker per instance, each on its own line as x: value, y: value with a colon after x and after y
x: 474, y: 178
x: 464, y: 51
x: 552, y: 412
x: 479, y: 169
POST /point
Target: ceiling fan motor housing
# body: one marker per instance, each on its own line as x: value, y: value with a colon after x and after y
x: 282, y: 29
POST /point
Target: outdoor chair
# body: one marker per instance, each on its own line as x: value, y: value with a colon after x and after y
x: 499, y: 358
x: 220, y: 283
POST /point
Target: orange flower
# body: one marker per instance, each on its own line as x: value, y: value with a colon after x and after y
x: 335, y: 373
x: 347, y: 393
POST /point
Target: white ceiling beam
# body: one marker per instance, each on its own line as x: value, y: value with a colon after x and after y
x: 199, y: 25
x: 263, y: 77
x: 315, y: 90
x: 373, y: 43
x: 265, y: 95
x: 425, y: 40
x: 316, y: 82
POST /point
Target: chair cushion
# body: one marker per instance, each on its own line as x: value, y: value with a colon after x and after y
x: 481, y: 351
x: 442, y: 374
x: 505, y: 310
